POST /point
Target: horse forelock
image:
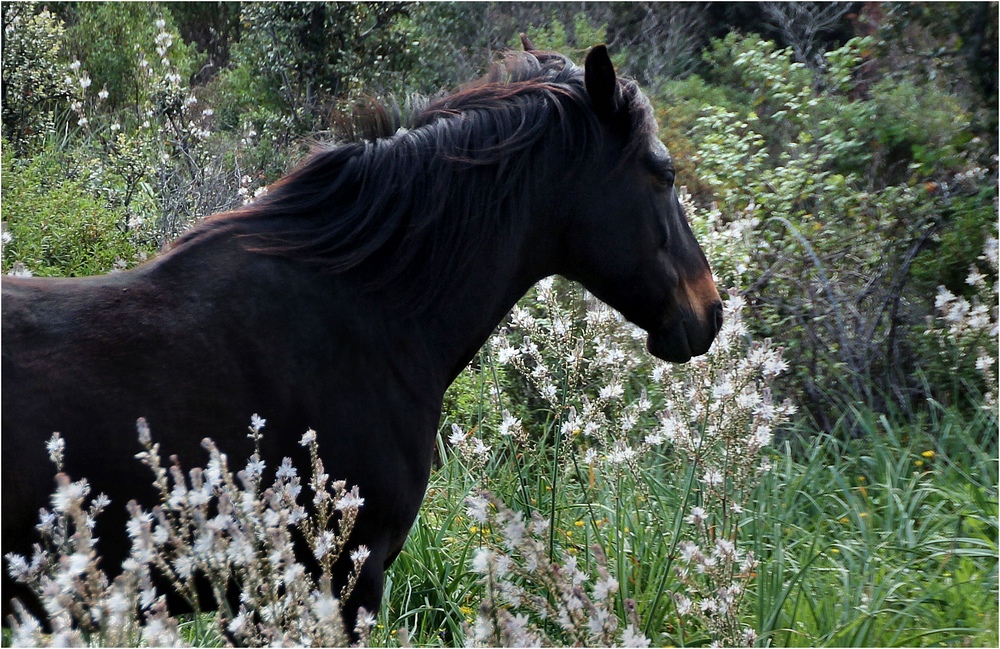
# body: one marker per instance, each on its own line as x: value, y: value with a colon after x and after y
x: 442, y: 173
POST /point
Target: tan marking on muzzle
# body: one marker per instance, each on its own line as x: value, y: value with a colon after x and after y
x: 701, y: 294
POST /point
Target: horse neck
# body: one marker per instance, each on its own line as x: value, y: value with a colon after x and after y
x: 462, y: 322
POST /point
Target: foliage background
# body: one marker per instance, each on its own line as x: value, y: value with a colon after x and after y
x: 840, y: 165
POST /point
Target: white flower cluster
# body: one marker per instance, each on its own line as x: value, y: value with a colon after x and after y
x: 726, y: 241
x: 716, y: 412
x: 720, y: 416
x: 77, y: 81
x: 208, y: 525
x: 967, y: 329
x: 579, y: 364
x: 246, y: 194
x: 512, y: 616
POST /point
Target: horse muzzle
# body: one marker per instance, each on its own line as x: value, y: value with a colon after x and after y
x: 686, y: 335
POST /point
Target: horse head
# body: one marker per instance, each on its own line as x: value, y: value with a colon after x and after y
x: 626, y: 236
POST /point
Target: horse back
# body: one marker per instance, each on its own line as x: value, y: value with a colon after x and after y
x: 196, y: 350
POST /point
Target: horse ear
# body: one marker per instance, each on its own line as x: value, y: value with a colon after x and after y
x: 527, y: 44
x: 601, y: 82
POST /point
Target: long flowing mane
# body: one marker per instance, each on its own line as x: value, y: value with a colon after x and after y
x: 414, y: 203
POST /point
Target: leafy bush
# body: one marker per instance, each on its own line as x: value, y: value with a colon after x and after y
x: 295, y: 61
x: 833, y: 229
x: 111, y: 41
x: 56, y: 226
x: 33, y: 79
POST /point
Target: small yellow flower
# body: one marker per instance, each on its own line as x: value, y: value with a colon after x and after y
x: 835, y: 550
x: 861, y: 478
x: 844, y: 520
x: 918, y: 463
x: 579, y: 523
x: 473, y: 529
x: 863, y: 515
x: 928, y: 454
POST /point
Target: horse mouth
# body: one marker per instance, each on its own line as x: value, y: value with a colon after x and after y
x: 669, y: 347
x: 677, y: 343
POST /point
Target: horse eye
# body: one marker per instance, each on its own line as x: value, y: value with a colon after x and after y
x: 664, y: 175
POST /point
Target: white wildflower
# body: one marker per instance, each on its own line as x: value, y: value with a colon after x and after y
x: 697, y: 516
x: 514, y: 531
x: 631, y: 637
x: 713, y: 477
x: 350, y: 500
x: 55, y: 447
x: 688, y: 551
x: 943, y: 298
x: 477, y: 508
x: 655, y: 439
x: 613, y: 391
x: 360, y: 554
x: 762, y: 435
x: 975, y: 278
x: 725, y: 548
x: 68, y: 495
x: 509, y: 424
x: 308, y: 438
x: 255, y: 466
x: 605, y: 587
x: 479, y: 448
x: 286, y: 470
x: 17, y: 566
x: 621, y: 454
x: 457, y: 436
x: 481, y: 561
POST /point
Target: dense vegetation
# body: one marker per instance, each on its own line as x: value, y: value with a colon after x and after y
x: 840, y: 169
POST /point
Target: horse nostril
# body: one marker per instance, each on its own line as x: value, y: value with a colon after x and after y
x: 716, y: 317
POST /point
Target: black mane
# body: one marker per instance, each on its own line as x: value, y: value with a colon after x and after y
x: 439, y: 180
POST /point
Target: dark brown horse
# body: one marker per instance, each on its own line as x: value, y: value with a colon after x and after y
x: 349, y: 298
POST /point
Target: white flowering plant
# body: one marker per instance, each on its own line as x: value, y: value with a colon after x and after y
x: 963, y: 333
x: 208, y: 524
x: 575, y: 610
x: 689, y: 441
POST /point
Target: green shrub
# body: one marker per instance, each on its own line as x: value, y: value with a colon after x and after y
x: 34, y: 82
x: 295, y: 61
x: 849, y: 210
x: 111, y: 39
x: 56, y: 226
